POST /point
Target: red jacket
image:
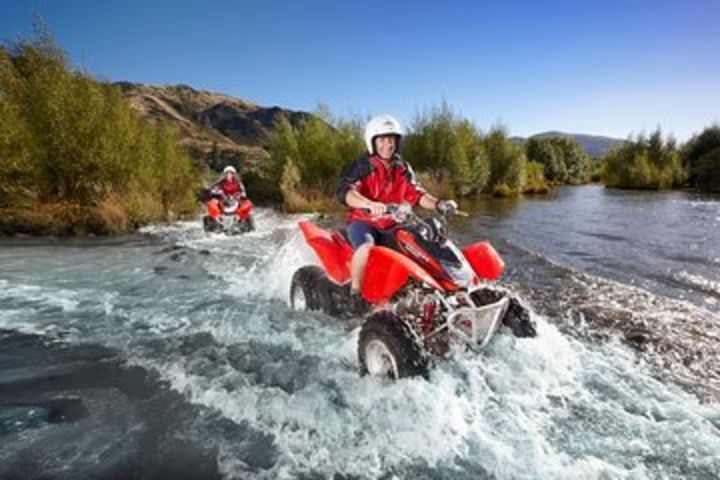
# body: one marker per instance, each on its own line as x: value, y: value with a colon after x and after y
x: 231, y: 187
x: 375, y: 180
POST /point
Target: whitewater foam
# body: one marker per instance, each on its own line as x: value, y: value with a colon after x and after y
x: 216, y: 327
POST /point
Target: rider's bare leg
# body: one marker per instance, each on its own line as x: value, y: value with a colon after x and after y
x: 357, y: 266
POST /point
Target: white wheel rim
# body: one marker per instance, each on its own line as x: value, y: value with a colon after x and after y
x: 298, y: 300
x: 379, y: 361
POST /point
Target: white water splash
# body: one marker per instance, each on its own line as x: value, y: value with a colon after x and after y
x: 550, y: 407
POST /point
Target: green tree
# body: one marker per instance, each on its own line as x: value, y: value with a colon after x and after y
x: 572, y: 155
x: 317, y: 148
x: 645, y: 163
x: 507, y: 161
x: 449, y: 148
x: 66, y: 138
x: 699, y: 158
x: 546, y: 153
x: 707, y: 170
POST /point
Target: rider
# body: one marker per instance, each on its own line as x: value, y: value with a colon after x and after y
x: 230, y: 183
x: 373, y: 180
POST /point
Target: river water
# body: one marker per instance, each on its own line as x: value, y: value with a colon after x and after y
x: 173, y: 354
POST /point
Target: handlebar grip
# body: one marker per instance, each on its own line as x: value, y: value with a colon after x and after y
x: 388, y: 209
x: 391, y: 208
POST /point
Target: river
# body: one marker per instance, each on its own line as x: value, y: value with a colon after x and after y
x: 173, y: 354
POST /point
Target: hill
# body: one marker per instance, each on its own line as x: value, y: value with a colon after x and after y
x: 595, y: 145
x: 215, y: 127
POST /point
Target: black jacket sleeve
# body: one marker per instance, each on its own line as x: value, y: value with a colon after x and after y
x: 352, y: 173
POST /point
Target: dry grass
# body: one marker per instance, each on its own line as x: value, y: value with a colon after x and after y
x: 536, y: 188
x: 440, y: 188
x: 307, y: 200
x: 49, y: 219
x: 109, y: 216
x: 503, y: 190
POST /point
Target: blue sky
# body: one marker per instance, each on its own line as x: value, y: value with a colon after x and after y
x: 607, y: 68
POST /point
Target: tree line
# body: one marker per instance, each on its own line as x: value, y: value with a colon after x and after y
x: 656, y: 162
x: 74, y: 156
x: 454, y: 158
x: 450, y: 154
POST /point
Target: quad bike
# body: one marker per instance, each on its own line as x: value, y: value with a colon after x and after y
x: 423, y: 293
x: 228, y: 214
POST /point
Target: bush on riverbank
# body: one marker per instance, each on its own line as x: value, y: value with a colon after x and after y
x: 74, y: 157
x: 564, y: 159
x: 306, y: 160
x: 449, y: 150
x: 450, y: 155
x: 651, y: 163
x: 701, y: 158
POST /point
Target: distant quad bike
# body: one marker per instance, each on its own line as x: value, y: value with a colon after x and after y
x: 423, y: 293
x: 228, y: 214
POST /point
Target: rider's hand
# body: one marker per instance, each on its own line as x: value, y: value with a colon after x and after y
x: 375, y: 208
x: 404, y: 209
x: 446, y: 207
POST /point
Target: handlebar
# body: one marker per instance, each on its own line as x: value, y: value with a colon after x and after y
x: 404, y: 210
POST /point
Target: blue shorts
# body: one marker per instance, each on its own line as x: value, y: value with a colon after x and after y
x: 358, y: 233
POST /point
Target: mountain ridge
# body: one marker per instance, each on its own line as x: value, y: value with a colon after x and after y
x: 215, y: 127
x: 218, y: 128
x: 595, y: 145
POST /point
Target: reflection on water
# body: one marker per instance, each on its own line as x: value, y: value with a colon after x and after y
x: 666, y: 242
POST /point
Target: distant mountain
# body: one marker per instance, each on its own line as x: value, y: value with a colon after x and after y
x: 215, y: 127
x: 595, y: 145
x: 220, y: 129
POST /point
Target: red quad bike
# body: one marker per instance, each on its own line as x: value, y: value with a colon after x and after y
x: 228, y: 214
x: 423, y: 291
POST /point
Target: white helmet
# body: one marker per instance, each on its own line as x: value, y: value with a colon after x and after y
x: 381, y: 125
x: 229, y: 169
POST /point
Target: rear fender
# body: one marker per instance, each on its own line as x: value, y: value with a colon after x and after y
x: 334, y: 253
x: 387, y: 271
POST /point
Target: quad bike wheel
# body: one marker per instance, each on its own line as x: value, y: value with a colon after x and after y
x: 209, y: 225
x: 388, y: 347
x: 249, y: 224
x: 311, y: 289
x: 307, y: 290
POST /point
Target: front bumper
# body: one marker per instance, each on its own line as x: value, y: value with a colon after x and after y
x: 476, y: 326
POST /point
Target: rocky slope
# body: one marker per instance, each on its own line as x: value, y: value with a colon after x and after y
x: 215, y: 127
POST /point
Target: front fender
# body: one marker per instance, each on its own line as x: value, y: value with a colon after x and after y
x: 244, y: 209
x: 485, y: 260
x: 387, y: 271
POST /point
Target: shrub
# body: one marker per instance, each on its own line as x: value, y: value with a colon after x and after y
x: 646, y: 163
x: 449, y: 149
x: 507, y: 161
x: 699, y: 160
x: 66, y: 138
